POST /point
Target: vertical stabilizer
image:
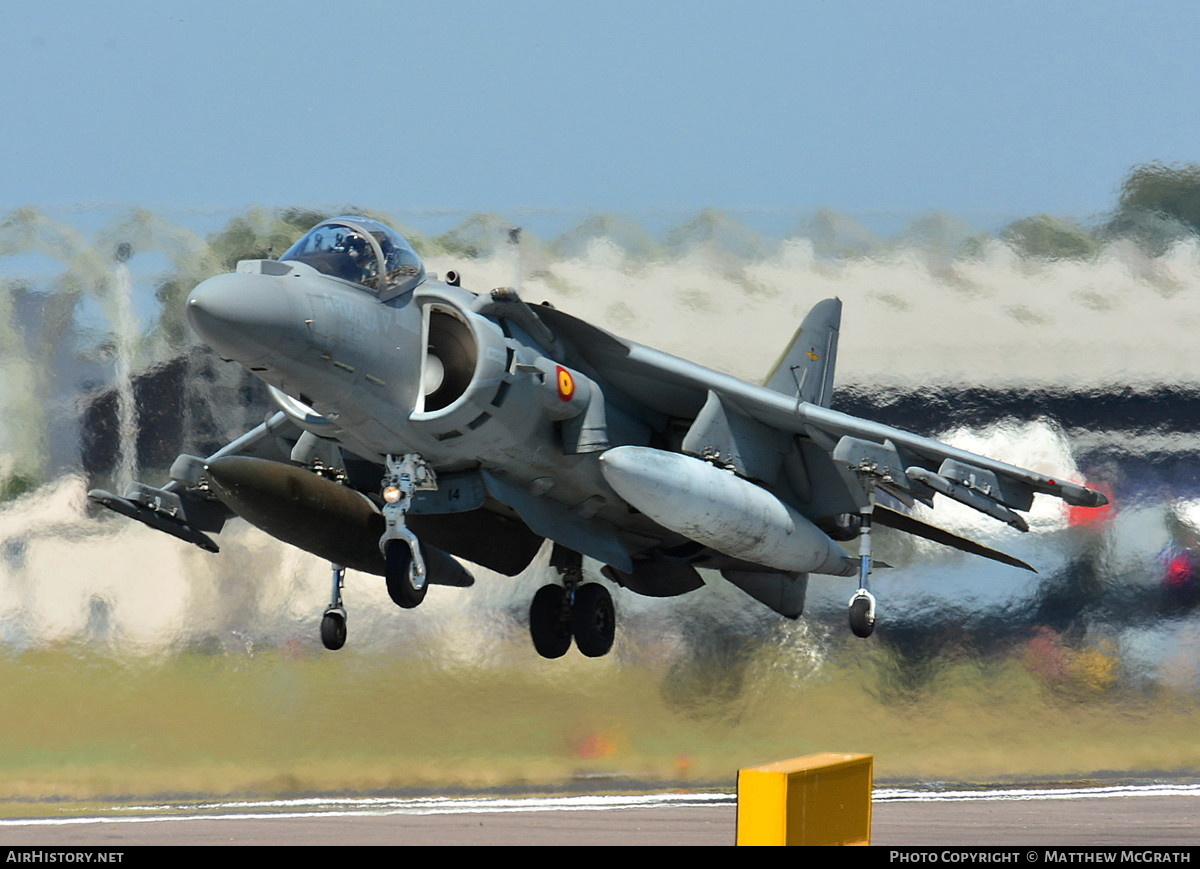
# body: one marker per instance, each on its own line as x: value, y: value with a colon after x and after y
x: 806, y: 369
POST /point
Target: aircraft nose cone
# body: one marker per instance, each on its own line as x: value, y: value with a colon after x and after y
x: 243, y: 317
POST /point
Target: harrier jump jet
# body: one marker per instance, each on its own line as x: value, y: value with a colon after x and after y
x: 418, y: 421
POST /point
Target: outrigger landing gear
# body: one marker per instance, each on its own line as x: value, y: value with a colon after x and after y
x: 862, y: 613
x: 583, y: 610
x: 406, y: 574
x: 333, y: 623
x: 862, y: 604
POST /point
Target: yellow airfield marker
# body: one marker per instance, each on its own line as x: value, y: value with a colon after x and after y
x: 818, y: 799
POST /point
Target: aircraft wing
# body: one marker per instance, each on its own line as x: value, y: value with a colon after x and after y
x: 177, y: 510
x: 907, y: 465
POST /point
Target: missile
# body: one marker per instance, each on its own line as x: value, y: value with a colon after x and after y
x: 329, y: 520
x: 963, y: 495
x: 721, y: 511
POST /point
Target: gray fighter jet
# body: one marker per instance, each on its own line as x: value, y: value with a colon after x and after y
x: 418, y: 421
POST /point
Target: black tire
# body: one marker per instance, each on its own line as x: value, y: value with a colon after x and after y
x: 398, y: 564
x: 861, y: 622
x: 593, y: 619
x: 333, y: 630
x: 550, y: 621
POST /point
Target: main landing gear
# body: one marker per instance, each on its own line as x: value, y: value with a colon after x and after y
x: 593, y: 619
x: 550, y: 621
x: 580, y: 610
x: 585, y: 613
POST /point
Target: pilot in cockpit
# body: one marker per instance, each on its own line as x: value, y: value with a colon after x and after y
x: 360, y: 250
x: 362, y: 267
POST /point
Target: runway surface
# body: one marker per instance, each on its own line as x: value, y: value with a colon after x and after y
x: 1161, y: 815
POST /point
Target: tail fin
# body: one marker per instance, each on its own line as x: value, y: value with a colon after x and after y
x: 805, y: 370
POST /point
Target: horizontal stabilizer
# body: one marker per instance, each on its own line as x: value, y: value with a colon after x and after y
x: 154, y: 519
x: 909, y: 525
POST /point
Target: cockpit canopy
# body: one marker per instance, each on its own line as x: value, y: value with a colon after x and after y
x: 361, y: 250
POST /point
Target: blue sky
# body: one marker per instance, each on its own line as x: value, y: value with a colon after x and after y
x: 973, y: 108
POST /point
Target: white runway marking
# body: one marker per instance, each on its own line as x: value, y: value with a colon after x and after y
x: 359, y: 806
x: 1089, y: 793
x: 363, y: 806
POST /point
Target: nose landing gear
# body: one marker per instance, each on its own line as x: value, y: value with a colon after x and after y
x: 406, y: 586
x: 406, y: 574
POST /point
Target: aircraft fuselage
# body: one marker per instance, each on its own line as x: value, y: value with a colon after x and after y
x: 422, y: 373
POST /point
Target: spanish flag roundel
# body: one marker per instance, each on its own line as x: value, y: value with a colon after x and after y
x: 566, y: 384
